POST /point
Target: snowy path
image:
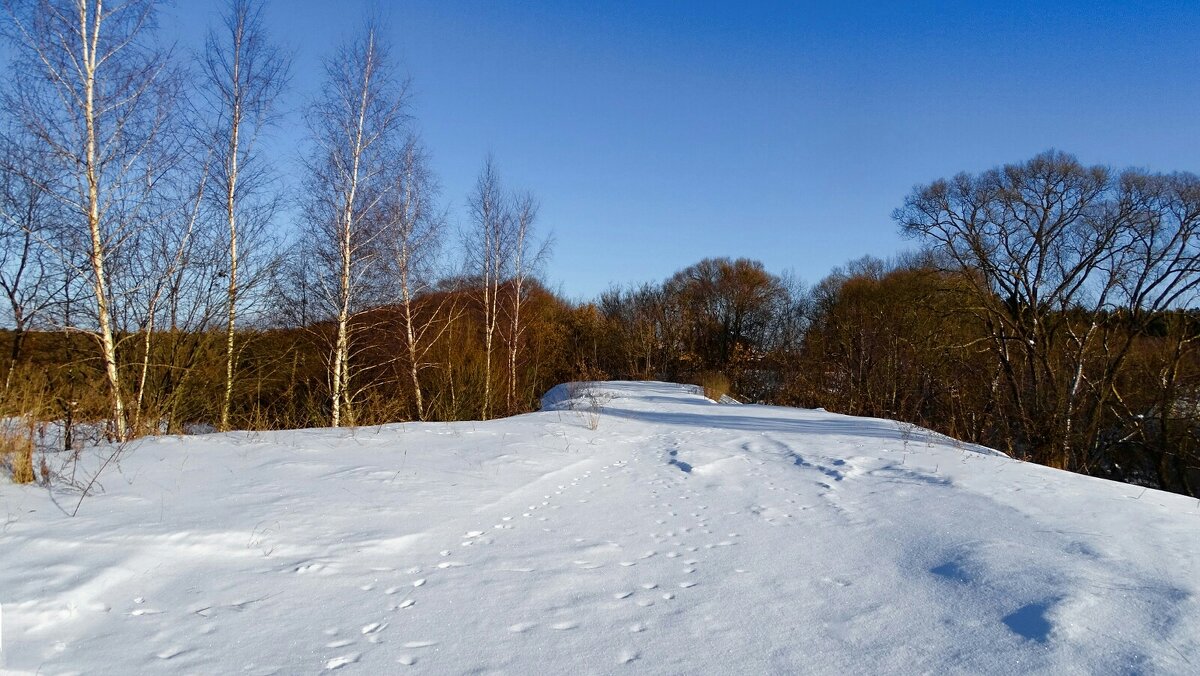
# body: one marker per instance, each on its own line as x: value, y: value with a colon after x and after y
x: 680, y: 536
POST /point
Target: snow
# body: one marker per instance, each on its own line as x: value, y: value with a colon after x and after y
x: 677, y: 536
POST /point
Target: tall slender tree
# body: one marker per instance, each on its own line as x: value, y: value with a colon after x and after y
x: 527, y: 256
x: 244, y: 74
x: 488, y: 246
x: 356, y: 126
x: 503, y: 255
x: 413, y: 240
x: 97, y: 94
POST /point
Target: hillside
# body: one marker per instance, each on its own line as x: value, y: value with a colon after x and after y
x: 677, y: 536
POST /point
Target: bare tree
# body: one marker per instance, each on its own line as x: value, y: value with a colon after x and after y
x: 503, y: 255
x: 1031, y: 241
x: 1157, y: 270
x: 527, y: 258
x: 243, y: 75
x: 355, y: 126
x: 96, y: 93
x: 167, y: 293
x: 728, y: 305
x: 1062, y: 260
x: 412, y: 240
x: 489, y: 249
x: 29, y: 275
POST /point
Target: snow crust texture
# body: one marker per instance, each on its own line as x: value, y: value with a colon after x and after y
x: 628, y: 527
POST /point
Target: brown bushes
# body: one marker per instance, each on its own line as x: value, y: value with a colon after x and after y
x: 715, y: 385
x: 16, y: 454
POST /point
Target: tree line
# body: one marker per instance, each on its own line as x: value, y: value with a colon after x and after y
x: 1048, y: 308
x: 1050, y: 311
x: 141, y: 220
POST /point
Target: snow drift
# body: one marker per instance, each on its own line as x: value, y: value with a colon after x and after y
x: 677, y: 536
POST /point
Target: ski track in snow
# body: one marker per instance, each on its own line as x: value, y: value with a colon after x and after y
x: 679, y: 536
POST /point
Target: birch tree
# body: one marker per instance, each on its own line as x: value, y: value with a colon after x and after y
x: 29, y: 275
x: 355, y: 125
x: 243, y: 75
x: 503, y: 254
x: 489, y: 249
x: 527, y: 256
x: 413, y: 240
x: 92, y: 88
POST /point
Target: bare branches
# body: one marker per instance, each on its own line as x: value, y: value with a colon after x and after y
x: 502, y: 254
x: 98, y: 96
x: 1067, y: 264
x: 243, y: 76
x: 355, y: 125
x: 412, y: 239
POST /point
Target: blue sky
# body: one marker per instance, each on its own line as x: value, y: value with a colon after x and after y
x: 659, y: 133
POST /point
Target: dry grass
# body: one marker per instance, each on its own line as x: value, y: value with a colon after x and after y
x: 23, y: 402
x: 715, y: 385
x: 589, y: 401
x: 16, y: 454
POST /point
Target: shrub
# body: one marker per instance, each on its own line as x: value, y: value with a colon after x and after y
x: 16, y: 453
x: 715, y: 384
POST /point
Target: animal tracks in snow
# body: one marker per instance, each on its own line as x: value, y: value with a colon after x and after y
x: 425, y: 592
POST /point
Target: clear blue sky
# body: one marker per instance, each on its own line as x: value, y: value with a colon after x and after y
x: 659, y: 133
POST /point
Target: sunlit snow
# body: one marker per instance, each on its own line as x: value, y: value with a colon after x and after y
x: 677, y: 536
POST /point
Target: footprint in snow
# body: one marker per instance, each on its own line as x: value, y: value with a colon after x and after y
x: 521, y: 627
x: 565, y: 626
x: 172, y: 652
x: 339, y: 662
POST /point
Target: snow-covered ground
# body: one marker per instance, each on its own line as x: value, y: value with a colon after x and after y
x: 678, y: 536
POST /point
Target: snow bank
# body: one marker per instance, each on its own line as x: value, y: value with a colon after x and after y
x: 674, y: 535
